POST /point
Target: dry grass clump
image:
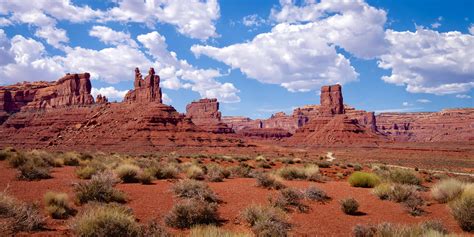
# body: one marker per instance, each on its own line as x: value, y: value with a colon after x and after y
x: 406, y: 194
x: 195, y: 172
x: 214, y: 231
x: 100, y: 188
x: 192, y: 212
x: 164, y: 171
x: 106, y: 220
x: 289, y: 198
x: 145, y: 177
x: 57, y: 205
x: 19, y: 216
x: 432, y: 228
x: 127, y: 173
x: 269, y: 181
x: 33, y: 171
x: 193, y: 189
x: 462, y: 209
x: 447, y: 190
x: 383, y: 191
x: 243, y: 170
x: 71, y: 158
x: 266, y: 221
x: 363, y: 179
x: 216, y: 173
x: 350, y: 206
x: 310, y: 172
x: 314, y: 193
x: 404, y: 176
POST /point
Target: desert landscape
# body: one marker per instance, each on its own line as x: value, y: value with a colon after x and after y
x: 206, y: 118
x: 75, y: 158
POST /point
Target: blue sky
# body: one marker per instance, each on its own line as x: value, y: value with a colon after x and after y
x: 256, y: 57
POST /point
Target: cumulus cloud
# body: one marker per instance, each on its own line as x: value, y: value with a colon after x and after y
x: 253, y: 20
x: 471, y: 29
x: 112, y: 37
x: 166, y: 99
x: 427, y: 61
x: 110, y: 92
x: 303, y: 56
x: 193, y: 18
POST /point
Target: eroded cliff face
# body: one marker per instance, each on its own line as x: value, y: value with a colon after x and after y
x: 446, y: 125
x: 142, y: 123
x: 205, y: 114
x: 145, y: 90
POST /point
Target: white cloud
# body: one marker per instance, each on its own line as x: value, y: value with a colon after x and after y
x: 52, y: 35
x: 427, y: 61
x: 112, y: 37
x: 462, y: 96
x: 397, y: 110
x: 471, y: 29
x: 435, y: 25
x: 166, y: 99
x: 424, y: 101
x: 177, y: 73
x: 193, y: 18
x: 406, y: 104
x: 110, y: 92
x: 253, y: 20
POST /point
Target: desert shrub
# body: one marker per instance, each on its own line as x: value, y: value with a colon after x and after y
x: 127, y: 173
x: 429, y: 228
x: 383, y: 190
x: 153, y: 229
x: 260, y: 159
x: 100, y: 188
x: 86, y: 172
x: 19, y: 216
x: 17, y: 159
x: 314, y: 193
x: 401, y: 192
x: 214, y: 231
x: 291, y: 172
x: 447, y: 190
x: 242, y: 170
x: 192, y: 212
x: 266, y: 180
x: 324, y: 164
x: 162, y: 171
x: 413, y: 204
x: 4, y: 154
x: 106, y: 220
x: 57, y: 205
x: 363, y: 179
x: 195, y: 172
x: 71, y: 158
x: 289, y: 197
x: 463, y: 210
x: 33, y: 171
x: 216, y: 173
x: 349, y: 206
x: 193, y: 189
x: 404, y: 176
x: 145, y: 177
x: 357, y: 167
x: 266, y: 221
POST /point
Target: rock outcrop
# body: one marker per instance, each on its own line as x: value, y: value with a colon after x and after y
x: 446, y: 125
x: 205, y: 113
x: 331, y: 100
x: 100, y: 99
x: 145, y: 90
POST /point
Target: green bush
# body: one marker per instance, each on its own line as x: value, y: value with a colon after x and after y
x: 99, y: 189
x: 266, y: 221
x: 193, y: 189
x: 213, y: 231
x: 57, y: 205
x: 266, y: 180
x: 349, y: 206
x: 106, y: 220
x: 127, y: 173
x: 447, y: 190
x: 192, y: 212
x: 363, y: 179
x: 463, y: 210
x: 404, y: 176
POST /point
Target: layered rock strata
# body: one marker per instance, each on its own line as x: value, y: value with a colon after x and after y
x: 205, y: 114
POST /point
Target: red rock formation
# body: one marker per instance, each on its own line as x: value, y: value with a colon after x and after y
x: 239, y: 123
x: 100, y: 99
x: 331, y: 100
x: 265, y: 133
x: 447, y: 125
x: 205, y: 113
x: 145, y: 90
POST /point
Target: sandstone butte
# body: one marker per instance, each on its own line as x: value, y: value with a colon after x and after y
x: 64, y: 115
